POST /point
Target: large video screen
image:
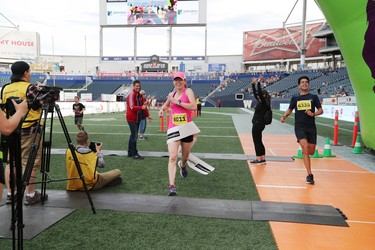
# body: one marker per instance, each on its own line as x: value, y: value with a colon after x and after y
x: 153, y: 12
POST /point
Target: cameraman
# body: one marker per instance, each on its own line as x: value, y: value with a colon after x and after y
x: 20, y: 87
x: 7, y: 126
x: 89, y: 159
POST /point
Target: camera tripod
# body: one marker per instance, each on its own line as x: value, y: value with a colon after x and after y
x: 14, y: 144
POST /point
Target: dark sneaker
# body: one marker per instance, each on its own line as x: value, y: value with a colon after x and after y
x: 141, y: 138
x: 137, y: 157
x: 172, y: 190
x: 183, y: 170
x: 35, y: 199
x: 258, y: 162
x: 9, y: 199
x: 310, y: 179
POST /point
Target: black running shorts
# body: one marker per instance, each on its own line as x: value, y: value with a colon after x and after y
x: 188, y: 138
x: 306, y: 133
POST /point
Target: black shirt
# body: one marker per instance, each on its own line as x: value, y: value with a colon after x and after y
x: 78, y: 107
x: 302, y: 103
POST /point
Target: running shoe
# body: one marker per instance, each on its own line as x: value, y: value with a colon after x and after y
x: 310, y: 179
x: 258, y: 162
x: 172, y: 190
x: 183, y: 170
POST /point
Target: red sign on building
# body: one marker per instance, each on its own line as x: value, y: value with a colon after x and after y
x: 273, y: 44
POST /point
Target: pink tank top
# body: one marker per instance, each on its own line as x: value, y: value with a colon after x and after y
x: 179, y: 115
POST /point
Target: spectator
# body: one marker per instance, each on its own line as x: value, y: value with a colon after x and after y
x: 199, y: 106
x: 262, y: 106
x: 142, y: 116
x: 134, y: 107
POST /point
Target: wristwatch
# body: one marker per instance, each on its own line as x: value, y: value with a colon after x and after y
x: 179, y: 102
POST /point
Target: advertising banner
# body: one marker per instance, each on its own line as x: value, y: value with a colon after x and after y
x: 86, y: 97
x: 18, y: 45
x: 275, y: 44
x: 347, y: 100
x: 330, y: 101
x: 216, y: 67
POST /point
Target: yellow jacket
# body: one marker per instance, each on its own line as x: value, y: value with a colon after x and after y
x: 87, y: 162
x: 19, y: 89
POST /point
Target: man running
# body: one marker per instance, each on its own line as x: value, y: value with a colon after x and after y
x: 306, y: 107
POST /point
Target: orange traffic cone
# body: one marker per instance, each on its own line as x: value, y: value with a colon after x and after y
x: 357, y: 146
x: 327, y: 149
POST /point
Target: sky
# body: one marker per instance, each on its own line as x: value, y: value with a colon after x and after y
x: 71, y: 27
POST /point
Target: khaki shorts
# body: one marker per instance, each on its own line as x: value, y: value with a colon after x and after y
x: 26, y: 143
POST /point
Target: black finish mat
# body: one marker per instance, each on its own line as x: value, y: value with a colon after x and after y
x: 36, y: 219
x: 229, y: 209
x: 214, y: 208
x: 299, y: 213
x: 61, y: 203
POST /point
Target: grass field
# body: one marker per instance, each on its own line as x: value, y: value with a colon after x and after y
x: 120, y: 230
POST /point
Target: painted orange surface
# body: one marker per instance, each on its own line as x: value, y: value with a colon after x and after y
x: 338, y: 183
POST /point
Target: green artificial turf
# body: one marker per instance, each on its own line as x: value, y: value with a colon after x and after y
x: 118, y: 230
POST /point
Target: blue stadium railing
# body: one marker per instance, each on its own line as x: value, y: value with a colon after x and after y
x: 334, y: 82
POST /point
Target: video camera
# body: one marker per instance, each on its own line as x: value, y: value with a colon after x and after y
x: 8, y: 105
x: 48, y: 94
x: 45, y: 95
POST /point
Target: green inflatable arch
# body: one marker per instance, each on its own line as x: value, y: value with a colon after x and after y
x: 353, y: 24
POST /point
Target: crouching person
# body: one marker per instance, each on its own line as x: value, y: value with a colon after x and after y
x: 89, y: 161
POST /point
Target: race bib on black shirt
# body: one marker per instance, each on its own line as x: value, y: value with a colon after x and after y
x: 304, y: 105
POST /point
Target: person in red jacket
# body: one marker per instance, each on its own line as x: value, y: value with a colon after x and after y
x: 135, y: 106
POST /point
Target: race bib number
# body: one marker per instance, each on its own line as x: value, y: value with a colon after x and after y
x: 179, y: 119
x: 304, y: 105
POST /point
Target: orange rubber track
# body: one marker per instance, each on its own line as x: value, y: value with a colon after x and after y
x: 338, y: 183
